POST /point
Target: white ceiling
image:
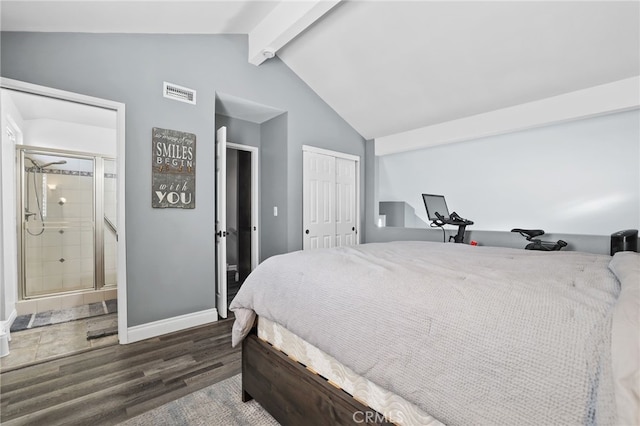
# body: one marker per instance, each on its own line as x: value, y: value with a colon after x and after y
x: 134, y: 16
x: 388, y: 67
x: 36, y: 107
x: 233, y: 106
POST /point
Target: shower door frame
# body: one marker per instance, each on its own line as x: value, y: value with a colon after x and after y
x: 98, y: 214
x: 119, y: 109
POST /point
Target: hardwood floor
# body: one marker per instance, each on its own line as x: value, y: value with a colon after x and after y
x: 108, y: 385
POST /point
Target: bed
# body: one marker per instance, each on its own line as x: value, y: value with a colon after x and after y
x: 431, y: 333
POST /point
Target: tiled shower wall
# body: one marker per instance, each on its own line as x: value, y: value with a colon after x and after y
x: 62, y: 258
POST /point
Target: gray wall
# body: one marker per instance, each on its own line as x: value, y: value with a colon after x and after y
x: 577, y: 177
x: 332, y: 138
x: 170, y: 252
x: 240, y: 131
x: 587, y: 242
x: 275, y: 177
x: 271, y: 137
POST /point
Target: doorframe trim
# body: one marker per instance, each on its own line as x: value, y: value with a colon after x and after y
x: 356, y: 158
x: 255, y: 198
x: 317, y: 150
x: 119, y: 109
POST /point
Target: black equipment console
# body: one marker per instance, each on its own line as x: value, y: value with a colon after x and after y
x: 438, y: 214
x: 453, y: 219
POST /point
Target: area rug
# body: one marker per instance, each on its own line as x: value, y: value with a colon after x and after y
x: 217, y: 405
x: 102, y: 326
x: 41, y: 319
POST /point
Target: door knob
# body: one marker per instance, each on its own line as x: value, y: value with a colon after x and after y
x: 306, y: 232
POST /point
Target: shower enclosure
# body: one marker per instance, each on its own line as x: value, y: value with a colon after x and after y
x: 67, y: 214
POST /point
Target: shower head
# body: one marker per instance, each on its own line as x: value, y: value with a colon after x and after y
x: 42, y: 166
x: 34, y: 162
x: 52, y: 163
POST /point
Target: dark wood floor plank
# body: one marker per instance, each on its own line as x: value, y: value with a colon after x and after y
x: 13, y: 377
x: 74, y: 410
x: 52, y: 397
x: 192, y: 385
x: 97, y: 366
x: 79, y: 382
x: 170, y: 364
x: 44, y: 384
x: 108, y: 385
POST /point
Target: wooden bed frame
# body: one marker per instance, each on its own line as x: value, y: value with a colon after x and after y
x: 295, y: 395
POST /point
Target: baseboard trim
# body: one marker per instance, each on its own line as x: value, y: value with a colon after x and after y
x: 170, y: 325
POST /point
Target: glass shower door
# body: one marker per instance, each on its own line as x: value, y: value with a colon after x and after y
x: 110, y: 223
x: 58, y: 223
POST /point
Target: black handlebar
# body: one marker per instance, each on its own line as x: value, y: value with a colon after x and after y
x: 453, y: 219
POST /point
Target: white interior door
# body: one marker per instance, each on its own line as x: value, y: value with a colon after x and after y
x: 221, y: 221
x: 345, y: 202
x: 318, y: 199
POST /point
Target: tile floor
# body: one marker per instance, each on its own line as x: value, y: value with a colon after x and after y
x: 41, y: 343
x: 64, y: 315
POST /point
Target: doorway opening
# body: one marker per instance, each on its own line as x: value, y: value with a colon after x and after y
x: 63, y: 257
x: 242, y: 215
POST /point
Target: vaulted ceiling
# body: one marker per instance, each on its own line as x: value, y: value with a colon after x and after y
x: 391, y: 67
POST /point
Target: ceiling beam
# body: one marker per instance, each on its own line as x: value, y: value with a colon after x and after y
x: 617, y: 96
x: 282, y: 25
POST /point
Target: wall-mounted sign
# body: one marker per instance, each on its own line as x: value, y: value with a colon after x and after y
x: 173, y: 169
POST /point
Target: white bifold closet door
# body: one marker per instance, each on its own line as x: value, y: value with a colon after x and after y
x: 345, y: 202
x: 329, y: 201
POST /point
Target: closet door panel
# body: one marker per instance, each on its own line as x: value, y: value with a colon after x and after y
x: 345, y: 202
x: 319, y: 200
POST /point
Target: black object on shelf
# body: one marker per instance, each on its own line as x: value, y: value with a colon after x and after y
x: 438, y: 214
x: 626, y: 240
x: 453, y: 219
x: 537, y: 244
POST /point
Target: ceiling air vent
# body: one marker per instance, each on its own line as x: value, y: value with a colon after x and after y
x: 179, y: 93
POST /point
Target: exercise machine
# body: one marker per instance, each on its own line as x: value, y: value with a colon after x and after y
x: 537, y: 244
x: 438, y: 214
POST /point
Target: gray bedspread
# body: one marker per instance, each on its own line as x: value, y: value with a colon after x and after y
x: 472, y: 335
